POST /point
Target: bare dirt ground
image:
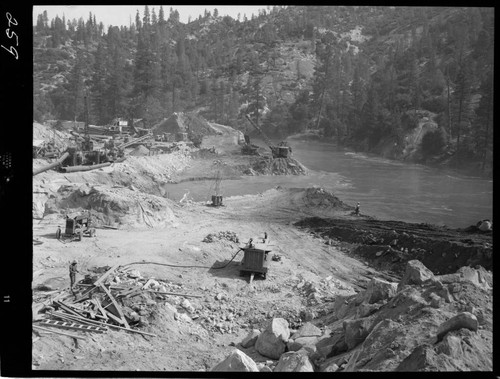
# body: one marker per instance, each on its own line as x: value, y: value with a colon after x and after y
x: 314, y: 236
x: 181, y: 347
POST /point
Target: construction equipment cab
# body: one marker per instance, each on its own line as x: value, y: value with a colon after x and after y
x: 77, y: 225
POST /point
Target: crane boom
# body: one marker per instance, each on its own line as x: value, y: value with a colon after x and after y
x: 264, y: 136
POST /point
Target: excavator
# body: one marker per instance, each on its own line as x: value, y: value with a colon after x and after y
x: 282, y: 150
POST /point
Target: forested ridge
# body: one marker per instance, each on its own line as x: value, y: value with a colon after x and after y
x: 366, y: 76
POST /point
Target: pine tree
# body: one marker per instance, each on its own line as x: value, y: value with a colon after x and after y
x: 461, y: 101
x: 98, y: 87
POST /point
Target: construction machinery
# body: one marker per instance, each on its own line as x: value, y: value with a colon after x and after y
x: 77, y: 226
x: 255, y: 258
x: 282, y: 150
x: 87, y: 144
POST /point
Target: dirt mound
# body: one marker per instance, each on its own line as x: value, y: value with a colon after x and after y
x: 387, y: 244
x: 279, y: 166
x: 49, y: 134
x: 140, y: 151
x: 115, y: 206
x: 319, y: 197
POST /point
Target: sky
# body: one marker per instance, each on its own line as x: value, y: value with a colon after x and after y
x: 118, y: 15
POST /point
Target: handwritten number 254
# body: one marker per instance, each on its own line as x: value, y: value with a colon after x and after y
x: 12, y: 49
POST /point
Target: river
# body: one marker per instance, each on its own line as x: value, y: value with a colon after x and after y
x: 386, y: 189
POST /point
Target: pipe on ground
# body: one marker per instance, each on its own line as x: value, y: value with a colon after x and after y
x: 52, y: 165
x: 84, y: 168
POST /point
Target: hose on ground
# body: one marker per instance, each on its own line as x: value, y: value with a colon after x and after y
x: 182, y: 266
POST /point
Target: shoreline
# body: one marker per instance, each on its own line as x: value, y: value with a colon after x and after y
x: 464, y: 171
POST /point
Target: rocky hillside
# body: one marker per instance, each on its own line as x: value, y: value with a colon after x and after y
x: 367, y: 76
x: 380, y: 328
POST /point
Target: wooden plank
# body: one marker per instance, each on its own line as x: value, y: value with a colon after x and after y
x: 85, y: 293
x: 130, y: 330
x: 118, y: 308
x: 68, y: 309
x: 106, y: 275
x: 145, y: 286
x: 174, y: 294
x: 59, y: 332
x: 99, y: 306
x: 113, y: 317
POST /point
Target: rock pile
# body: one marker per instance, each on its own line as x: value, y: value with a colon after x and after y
x: 320, y: 197
x: 224, y: 235
x: 422, y: 323
x: 278, y: 166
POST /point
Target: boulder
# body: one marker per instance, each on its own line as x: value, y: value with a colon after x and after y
x: 332, y: 345
x: 351, y: 364
x: 272, y: 341
x: 293, y: 346
x: 378, y: 344
x: 365, y: 310
x: 422, y: 358
x: 378, y: 290
x: 435, y: 300
x: 237, y: 361
x: 306, y: 341
x: 307, y: 330
x: 294, y: 362
x: 330, y: 368
x: 416, y: 273
x: 356, y: 331
x: 462, y: 320
x: 450, y: 345
x: 307, y: 315
x: 250, y: 339
x: 477, y: 277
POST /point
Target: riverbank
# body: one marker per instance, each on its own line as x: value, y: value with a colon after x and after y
x: 443, y: 162
x: 316, y: 243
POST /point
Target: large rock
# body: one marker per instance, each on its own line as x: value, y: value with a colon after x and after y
x: 250, y: 339
x: 477, y: 277
x: 462, y: 320
x: 307, y: 330
x: 450, y: 345
x: 272, y: 341
x: 416, y: 273
x: 422, y: 358
x: 376, y: 349
x: 237, y: 361
x: 378, y: 290
x: 305, y: 341
x: 356, y: 331
x: 294, y: 362
x: 364, y: 310
x: 333, y: 345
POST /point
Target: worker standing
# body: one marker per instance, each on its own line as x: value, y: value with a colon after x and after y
x: 73, y: 269
x: 356, y: 210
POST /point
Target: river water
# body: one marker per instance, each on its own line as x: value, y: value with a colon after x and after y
x: 386, y: 189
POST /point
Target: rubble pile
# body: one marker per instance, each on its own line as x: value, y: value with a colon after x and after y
x: 326, y: 290
x: 224, y: 235
x: 320, y: 197
x: 278, y: 166
x: 121, y: 299
x: 424, y: 322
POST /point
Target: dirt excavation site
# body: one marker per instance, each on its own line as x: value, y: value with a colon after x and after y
x: 160, y: 285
